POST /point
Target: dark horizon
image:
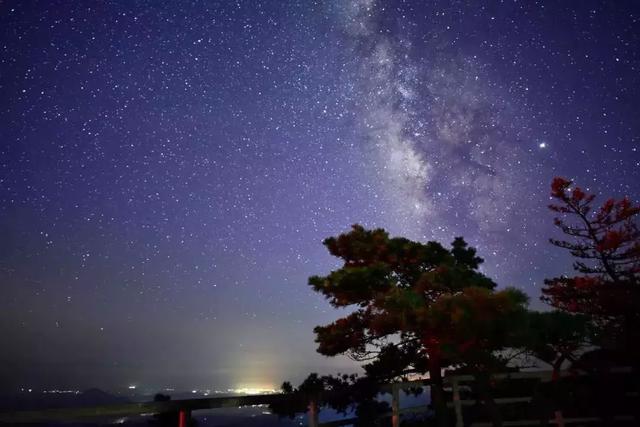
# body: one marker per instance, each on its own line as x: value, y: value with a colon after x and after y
x: 168, y: 172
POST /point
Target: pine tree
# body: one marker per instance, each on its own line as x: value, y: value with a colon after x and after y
x: 556, y: 337
x: 418, y: 307
x: 605, y: 242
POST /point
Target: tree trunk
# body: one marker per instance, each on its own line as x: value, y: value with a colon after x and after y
x: 437, y: 393
x: 557, y: 366
x: 484, y: 388
x: 558, y: 398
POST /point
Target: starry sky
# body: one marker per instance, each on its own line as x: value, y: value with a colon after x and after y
x: 168, y: 170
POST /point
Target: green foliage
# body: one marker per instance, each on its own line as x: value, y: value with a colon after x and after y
x: 475, y: 323
x: 286, y: 387
x: 391, y: 362
x: 340, y: 392
x: 556, y: 336
x: 417, y: 307
x: 412, y: 296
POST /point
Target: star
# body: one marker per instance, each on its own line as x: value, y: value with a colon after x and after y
x: 165, y: 163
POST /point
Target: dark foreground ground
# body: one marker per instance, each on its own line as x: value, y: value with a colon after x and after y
x: 255, y: 416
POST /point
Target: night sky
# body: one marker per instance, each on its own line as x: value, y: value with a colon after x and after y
x: 168, y: 170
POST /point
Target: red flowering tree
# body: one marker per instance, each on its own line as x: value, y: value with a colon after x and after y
x: 417, y: 308
x: 605, y: 241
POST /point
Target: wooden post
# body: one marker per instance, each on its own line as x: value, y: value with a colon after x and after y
x: 555, y: 378
x: 314, y: 420
x: 184, y: 418
x: 395, y: 405
x: 457, y: 404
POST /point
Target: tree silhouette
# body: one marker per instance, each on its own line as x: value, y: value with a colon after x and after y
x: 340, y: 392
x: 418, y: 308
x: 606, y: 244
x: 556, y: 337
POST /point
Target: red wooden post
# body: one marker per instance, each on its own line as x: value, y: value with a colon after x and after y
x: 314, y: 420
x: 184, y: 416
x: 395, y: 405
x: 457, y: 404
x: 558, y: 418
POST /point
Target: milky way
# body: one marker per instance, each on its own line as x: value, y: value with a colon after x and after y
x: 168, y: 171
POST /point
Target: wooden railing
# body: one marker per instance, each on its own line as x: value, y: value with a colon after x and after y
x: 184, y: 408
x: 454, y: 385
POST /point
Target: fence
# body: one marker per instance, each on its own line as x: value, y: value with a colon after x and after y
x: 455, y: 386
